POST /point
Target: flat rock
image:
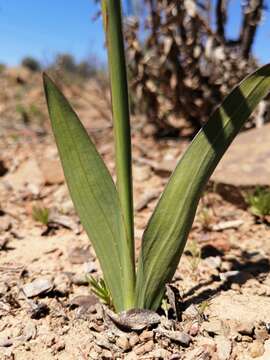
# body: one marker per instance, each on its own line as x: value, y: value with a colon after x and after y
x: 134, y: 319
x: 247, y: 162
x: 240, y: 307
x: 37, y: 287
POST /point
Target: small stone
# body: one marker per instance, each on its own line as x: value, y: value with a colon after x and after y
x: 5, y: 224
x: 224, y: 347
x: 102, y: 342
x: 90, y: 267
x: 94, y: 355
x: 84, y: 301
x: 3, y: 289
x: 149, y: 130
x: 123, y: 343
x: 60, y: 345
x: 149, y: 346
x: 106, y: 354
x: 214, y: 326
x: 160, y: 353
x: 145, y: 199
x: 141, y: 173
x: 179, y: 336
x: 176, y: 356
x: 131, y: 356
x: 256, y: 349
x: 30, y: 331
x: 214, y: 262
x: 191, y: 312
x: 50, y: 340
x: 6, y: 342
x: 245, y: 328
x: 146, y: 335
x: 37, y: 287
x: 62, y: 284
x: 134, y: 339
x: 246, y: 338
x: 261, y: 333
x: 134, y: 319
x: 80, y: 280
x: 266, y: 355
x: 236, y: 287
x: 143, y: 349
x: 79, y: 255
x: 166, y: 323
x: 194, y: 328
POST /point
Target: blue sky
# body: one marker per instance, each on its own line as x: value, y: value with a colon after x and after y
x: 43, y: 28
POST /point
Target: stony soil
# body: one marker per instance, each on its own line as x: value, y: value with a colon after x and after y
x: 221, y: 288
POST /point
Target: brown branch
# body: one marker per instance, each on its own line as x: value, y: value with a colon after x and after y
x: 251, y: 19
x: 221, y: 18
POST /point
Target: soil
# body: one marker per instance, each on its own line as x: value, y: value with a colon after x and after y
x: 47, y: 311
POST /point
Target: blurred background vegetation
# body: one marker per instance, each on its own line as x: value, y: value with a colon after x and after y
x: 181, y: 60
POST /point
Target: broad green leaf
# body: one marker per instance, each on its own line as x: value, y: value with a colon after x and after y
x: 94, y: 196
x: 167, y: 231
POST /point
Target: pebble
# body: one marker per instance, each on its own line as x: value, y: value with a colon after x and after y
x: 6, y: 342
x: 149, y: 346
x: 93, y: 355
x: 146, y: 335
x: 103, y: 342
x: 62, y: 284
x: 213, y: 326
x: 179, y: 336
x: 160, y: 353
x: 37, y: 287
x: 194, y: 328
x: 256, y: 349
x: 145, y: 348
x: 134, y: 339
x: 245, y: 328
x: 3, y: 289
x: 79, y: 279
x: 261, y: 333
x: 134, y: 319
x: 90, y: 267
x: 191, y: 312
x: 79, y: 255
x: 50, y: 340
x: 141, y: 173
x: 123, y: 343
x: 106, y: 354
x: 60, y: 345
x: 84, y: 302
x: 213, y: 262
x: 224, y: 347
x: 131, y: 356
x: 30, y: 331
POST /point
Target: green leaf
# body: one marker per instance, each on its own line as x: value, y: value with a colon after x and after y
x: 94, y: 196
x: 112, y: 21
x: 167, y: 231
